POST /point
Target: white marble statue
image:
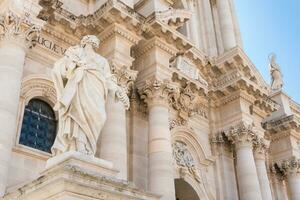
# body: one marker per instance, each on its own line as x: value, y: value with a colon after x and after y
x: 82, y: 80
x: 276, y: 75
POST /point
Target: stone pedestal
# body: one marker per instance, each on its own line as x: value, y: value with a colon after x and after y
x: 73, y: 176
x: 14, y: 42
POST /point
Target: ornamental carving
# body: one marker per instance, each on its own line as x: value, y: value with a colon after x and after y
x: 290, y: 166
x: 157, y: 92
x: 186, y: 102
x: 260, y: 146
x: 184, y: 160
x: 18, y: 29
x: 241, y: 134
x: 125, y: 77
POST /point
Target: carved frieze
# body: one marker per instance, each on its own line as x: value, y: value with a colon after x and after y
x: 20, y: 30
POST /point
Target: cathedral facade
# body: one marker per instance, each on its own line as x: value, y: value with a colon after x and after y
x: 199, y: 122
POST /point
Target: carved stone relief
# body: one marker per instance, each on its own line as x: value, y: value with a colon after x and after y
x: 184, y: 160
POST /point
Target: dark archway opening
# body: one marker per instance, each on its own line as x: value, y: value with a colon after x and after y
x: 184, y: 191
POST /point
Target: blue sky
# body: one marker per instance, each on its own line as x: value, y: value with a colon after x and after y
x: 273, y: 26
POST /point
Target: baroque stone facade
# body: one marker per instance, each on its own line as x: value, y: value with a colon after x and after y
x: 202, y: 122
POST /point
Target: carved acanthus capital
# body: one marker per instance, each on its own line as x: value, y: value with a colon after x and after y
x: 157, y: 92
x: 260, y: 146
x: 290, y: 166
x: 19, y: 30
x: 241, y: 135
x: 125, y: 77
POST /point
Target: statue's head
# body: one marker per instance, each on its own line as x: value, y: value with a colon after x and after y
x: 90, y: 39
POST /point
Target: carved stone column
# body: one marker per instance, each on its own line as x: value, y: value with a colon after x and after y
x: 116, y: 43
x: 16, y: 36
x: 260, y: 147
x: 291, y: 169
x: 160, y: 168
x: 113, y: 141
x: 226, y: 24
x: 242, y: 137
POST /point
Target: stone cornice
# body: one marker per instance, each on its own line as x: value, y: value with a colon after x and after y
x: 154, y: 27
x: 116, y: 29
x: 281, y: 124
x: 152, y: 43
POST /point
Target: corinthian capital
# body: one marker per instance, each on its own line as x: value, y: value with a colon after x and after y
x: 157, y: 92
x: 260, y: 146
x: 291, y: 166
x: 241, y: 135
x: 20, y: 30
x: 125, y: 77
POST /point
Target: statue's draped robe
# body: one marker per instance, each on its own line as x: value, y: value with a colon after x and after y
x: 276, y: 75
x: 82, y: 82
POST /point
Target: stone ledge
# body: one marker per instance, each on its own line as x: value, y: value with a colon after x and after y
x: 71, y: 179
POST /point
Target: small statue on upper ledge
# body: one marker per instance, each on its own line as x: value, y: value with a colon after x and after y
x: 82, y: 79
x: 277, y: 81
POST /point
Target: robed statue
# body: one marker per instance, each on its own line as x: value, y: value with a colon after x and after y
x: 276, y: 75
x: 82, y: 80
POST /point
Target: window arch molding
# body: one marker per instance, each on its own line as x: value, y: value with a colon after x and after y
x: 34, y: 87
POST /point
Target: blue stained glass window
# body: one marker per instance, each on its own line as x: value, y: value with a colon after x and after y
x: 39, y: 126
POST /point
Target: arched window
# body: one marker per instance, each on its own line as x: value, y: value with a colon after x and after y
x: 38, y: 126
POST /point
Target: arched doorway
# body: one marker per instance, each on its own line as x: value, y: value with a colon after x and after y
x: 184, y: 191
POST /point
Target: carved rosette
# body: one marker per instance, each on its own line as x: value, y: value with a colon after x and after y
x: 241, y: 135
x: 260, y: 146
x: 184, y: 160
x: 290, y: 166
x: 20, y: 30
x: 157, y: 92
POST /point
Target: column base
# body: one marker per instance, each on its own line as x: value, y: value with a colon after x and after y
x: 73, y: 176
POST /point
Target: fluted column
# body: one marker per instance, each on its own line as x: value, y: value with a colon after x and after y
x: 226, y: 24
x: 291, y: 169
x: 16, y: 36
x: 160, y: 169
x: 260, y: 147
x: 242, y: 138
x: 113, y: 141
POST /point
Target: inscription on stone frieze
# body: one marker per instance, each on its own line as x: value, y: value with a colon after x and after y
x: 48, y: 44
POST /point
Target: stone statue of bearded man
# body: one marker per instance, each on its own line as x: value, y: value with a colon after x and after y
x: 82, y: 79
